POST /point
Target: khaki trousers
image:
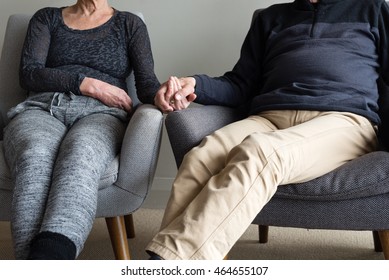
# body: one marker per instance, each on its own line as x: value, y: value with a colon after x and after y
x: 223, y: 183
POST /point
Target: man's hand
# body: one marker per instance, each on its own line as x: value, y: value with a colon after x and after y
x: 110, y: 95
x: 175, y: 94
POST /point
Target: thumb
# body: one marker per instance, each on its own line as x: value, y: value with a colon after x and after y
x: 191, y: 97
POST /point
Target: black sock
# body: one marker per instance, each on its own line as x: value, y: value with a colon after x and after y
x: 52, y: 246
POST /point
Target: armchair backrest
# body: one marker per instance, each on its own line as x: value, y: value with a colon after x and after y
x: 10, y: 91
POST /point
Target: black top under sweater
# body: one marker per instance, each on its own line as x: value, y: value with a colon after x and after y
x: 57, y: 58
x: 300, y: 56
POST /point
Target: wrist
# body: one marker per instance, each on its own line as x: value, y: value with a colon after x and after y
x: 88, y: 87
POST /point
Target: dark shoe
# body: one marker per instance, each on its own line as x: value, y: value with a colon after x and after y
x: 154, y: 256
x: 52, y: 246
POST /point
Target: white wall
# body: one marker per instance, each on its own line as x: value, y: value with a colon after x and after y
x: 187, y: 36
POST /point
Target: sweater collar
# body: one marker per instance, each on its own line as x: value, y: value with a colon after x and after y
x: 307, y: 5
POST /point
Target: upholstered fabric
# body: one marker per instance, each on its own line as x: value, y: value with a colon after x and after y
x: 365, y: 213
x: 363, y: 177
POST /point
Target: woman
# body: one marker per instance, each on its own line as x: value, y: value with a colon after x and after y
x: 74, y: 64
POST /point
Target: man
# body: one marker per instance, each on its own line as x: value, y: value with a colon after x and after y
x: 310, y: 71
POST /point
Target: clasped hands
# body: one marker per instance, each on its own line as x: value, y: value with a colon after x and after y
x: 175, y: 94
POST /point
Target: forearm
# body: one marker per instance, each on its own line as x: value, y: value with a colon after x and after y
x: 110, y: 95
x: 217, y: 91
x: 48, y: 79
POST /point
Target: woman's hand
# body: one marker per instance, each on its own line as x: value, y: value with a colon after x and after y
x: 108, y: 94
x: 175, y: 94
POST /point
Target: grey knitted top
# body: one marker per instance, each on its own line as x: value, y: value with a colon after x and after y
x: 57, y: 58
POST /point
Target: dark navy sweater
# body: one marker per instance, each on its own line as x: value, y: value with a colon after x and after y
x: 300, y: 56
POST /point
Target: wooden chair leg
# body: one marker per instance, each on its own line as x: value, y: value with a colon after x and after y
x: 263, y: 233
x: 384, y: 238
x: 130, y: 228
x: 118, y: 235
x: 377, y: 242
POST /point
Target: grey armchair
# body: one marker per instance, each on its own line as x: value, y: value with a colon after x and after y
x: 128, y: 178
x: 353, y: 197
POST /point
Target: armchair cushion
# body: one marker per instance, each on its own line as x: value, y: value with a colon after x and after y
x: 5, y: 176
x: 362, y: 177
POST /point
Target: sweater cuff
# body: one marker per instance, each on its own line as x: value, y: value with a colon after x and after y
x: 80, y: 78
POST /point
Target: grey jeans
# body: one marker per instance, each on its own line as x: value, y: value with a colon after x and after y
x: 57, y: 147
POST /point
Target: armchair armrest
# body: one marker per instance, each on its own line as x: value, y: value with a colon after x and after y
x: 188, y: 127
x: 1, y: 126
x: 140, y: 149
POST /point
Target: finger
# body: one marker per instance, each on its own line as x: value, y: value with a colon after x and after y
x: 184, y: 103
x: 166, y: 104
x: 191, y: 97
x: 183, y: 93
x: 128, y: 104
x: 172, y: 88
x: 160, y: 99
x: 175, y: 87
x: 160, y: 95
x: 127, y: 108
x: 177, y: 83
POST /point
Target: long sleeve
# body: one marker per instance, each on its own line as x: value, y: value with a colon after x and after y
x: 35, y: 75
x: 383, y: 26
x: 141, y: 58
x: 56, y: 57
